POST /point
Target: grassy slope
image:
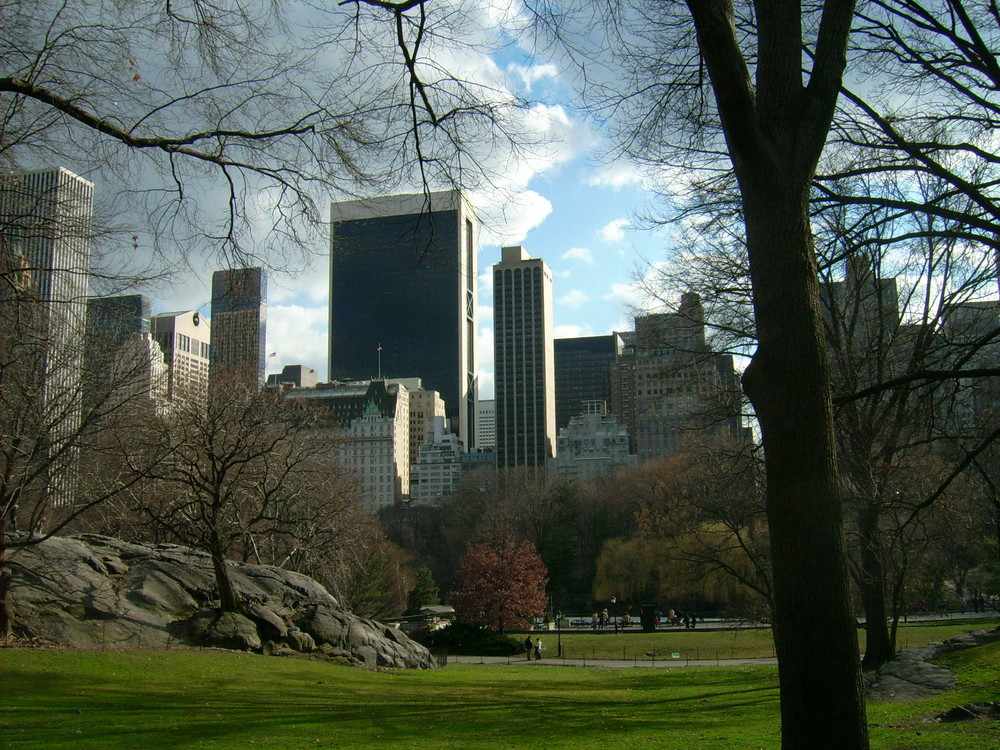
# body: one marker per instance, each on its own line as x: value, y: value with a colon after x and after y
x: 723, y: 644
x: 110, y: 700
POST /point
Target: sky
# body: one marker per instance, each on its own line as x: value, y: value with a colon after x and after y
x: 574, y: 211
x: 587, y: 240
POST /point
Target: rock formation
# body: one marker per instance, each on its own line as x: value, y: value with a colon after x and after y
x: 911, y: 675
x: 97, y: 592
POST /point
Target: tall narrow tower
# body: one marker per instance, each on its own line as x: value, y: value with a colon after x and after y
x: 403, y: 296
x: 239, y: 320
x: 45, y: 240
x: 523, y: 360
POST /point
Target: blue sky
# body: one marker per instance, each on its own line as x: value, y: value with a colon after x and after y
x: 571, y: 210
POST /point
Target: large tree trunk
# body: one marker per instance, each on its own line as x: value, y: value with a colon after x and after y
x: 228, y: 601
x: 6, y: 605
x: 788, y: 381
x: 880, y: 644
x: 6, y: 583
x: 775, y: 124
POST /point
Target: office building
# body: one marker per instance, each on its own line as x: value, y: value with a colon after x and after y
x: 239, y: 322
x: 593, y: 444
x: 523, y: 360
x: 372, y: 420
x: 437, y: 469
x: 583, y: 373
x: 293, y: 376
x: 486, y: 424
x: 403, y: 296
x: 670, y: 387
x: 45, y: 240
x: 122, y: 361
x: 969, y: 335
x: 425, y: 407
x: 862, y: 320
x: 185, y: 339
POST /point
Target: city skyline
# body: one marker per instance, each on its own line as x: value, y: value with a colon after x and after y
x: 583, y: 227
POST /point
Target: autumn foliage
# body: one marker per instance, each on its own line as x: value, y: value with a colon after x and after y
x: 501, y: 584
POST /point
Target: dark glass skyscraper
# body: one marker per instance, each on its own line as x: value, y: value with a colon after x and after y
x: 523, y: 361
x: 583, y: 373
x: 239, y: 320
x: 403, y: 296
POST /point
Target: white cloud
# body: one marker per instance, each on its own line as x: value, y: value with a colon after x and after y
x: 297, y: 335
x: 625, y: 296
x: 529, y: 75
x: 616, y: 176
x: 614, y: 231
x: 509, y: 222
x: 579, y: 253
x: 485, y: 370
x: 575, y: 299
x: 310, y: 287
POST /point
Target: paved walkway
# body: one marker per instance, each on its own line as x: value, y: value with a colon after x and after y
x: 610, y: 663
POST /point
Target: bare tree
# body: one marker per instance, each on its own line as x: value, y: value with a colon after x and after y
x: 229, y: 123
x: 56, y: 429
x: 752, y: 88
x: 236, y: 470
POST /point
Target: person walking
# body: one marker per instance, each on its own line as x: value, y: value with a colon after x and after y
x: 539, y: 647
x: 528, y: 648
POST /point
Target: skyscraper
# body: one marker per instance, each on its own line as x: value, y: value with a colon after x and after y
x: 122, y: 361
x: 583, y: 373
x: 523, y: 360
x: 403, y: 296
x: 670, y: 386
x: 185, y: 339
x: 45, y: 243
x: 239, y: 321
x: 45, y: 218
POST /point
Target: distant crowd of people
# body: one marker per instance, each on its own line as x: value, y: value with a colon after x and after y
x: 602, y: 620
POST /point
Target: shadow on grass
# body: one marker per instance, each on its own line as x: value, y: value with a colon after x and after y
x: 122, y: 702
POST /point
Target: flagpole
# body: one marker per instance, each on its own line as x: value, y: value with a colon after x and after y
x: 380, y: 361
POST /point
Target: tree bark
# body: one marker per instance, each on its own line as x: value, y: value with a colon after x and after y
x: 788, y: 382
x: 775, y: 127
x: 6, y: 605
x: 228, y: 601
x: 880, y: 646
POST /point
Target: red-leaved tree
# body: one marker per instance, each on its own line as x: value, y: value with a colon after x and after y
x: 501, y: 584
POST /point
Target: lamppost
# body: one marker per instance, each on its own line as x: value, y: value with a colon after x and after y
x: 558, y: 635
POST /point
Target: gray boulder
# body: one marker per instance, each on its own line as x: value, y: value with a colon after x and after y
x: 97, y: 592
x: 911, y: 675
x: 220, y: 630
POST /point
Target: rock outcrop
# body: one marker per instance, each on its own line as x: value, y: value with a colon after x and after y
x: 97, y: 592
x: 911, y: 675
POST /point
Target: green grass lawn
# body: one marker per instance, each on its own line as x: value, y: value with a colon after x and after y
x: 746, y: 643
x: 213, y: 699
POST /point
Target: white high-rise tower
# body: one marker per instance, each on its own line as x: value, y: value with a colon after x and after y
x: 45, y: 241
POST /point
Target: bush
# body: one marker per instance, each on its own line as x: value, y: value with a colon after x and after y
x: 469, y: 640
